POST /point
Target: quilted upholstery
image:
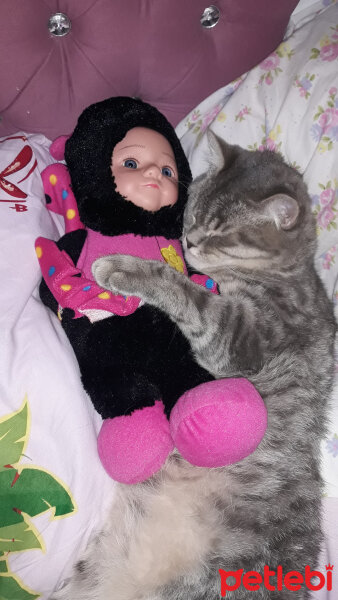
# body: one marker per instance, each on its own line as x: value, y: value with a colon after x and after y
x: 153, y: 49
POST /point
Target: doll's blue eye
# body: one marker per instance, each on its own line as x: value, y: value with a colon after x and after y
x: 167, y: 172
x: 130, y: 163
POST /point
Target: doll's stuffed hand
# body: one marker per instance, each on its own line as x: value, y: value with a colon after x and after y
x: 59, y: 195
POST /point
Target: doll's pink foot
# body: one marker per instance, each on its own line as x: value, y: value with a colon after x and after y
x: 134, y: 447
x: 218, y: 423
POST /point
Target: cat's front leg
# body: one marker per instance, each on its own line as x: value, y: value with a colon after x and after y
x: 154, y: 282
x: 159, y: 285
x: 124, y: 274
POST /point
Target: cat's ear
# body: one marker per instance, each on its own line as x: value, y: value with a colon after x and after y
x: 282, y: 209
x: 221, y: 154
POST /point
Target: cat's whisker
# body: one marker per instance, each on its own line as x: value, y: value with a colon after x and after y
x: 183, y: 185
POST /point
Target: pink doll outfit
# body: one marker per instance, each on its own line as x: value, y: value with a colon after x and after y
x: 82, y: 294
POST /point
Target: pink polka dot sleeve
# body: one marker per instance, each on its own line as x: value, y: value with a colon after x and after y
x: 60, y: 198
x: 70, y: 290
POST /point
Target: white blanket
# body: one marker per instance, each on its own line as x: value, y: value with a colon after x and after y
x: 48, y: 428
x: 61, y: 478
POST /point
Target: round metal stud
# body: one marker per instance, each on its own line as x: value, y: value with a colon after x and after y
x: 59, y: 24
x: 210, y: 17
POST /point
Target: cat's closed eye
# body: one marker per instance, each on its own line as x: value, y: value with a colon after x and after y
x: 189, y: 222
x: 196, y: 236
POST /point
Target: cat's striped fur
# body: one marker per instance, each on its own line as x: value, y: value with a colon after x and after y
x: 248, y: 224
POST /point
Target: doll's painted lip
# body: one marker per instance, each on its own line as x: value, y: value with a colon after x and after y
x: 153, y: 185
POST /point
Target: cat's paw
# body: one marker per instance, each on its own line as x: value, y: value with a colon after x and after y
x: 119, y: 273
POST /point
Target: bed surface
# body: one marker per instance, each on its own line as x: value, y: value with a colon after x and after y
x: 288, y: 102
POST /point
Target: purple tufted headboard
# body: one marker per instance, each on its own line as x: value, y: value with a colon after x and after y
x: 157, y: 50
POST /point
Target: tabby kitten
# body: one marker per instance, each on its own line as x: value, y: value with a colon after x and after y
x: 248, y: 225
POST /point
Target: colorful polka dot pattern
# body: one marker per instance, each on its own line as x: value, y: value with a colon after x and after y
x: 56, y: 183
x: 70, y: 214
x: 206, y: 282
x: 72, y: 291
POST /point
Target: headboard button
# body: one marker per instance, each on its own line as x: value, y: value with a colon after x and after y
x: 59, y: 24
x: 210, y: 17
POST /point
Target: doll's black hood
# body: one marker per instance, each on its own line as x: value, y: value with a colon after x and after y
x: 88, y: 156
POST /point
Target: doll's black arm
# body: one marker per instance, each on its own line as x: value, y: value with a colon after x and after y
x: 72, y: 243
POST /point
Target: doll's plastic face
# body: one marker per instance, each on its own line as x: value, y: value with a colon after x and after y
x: 144, y: 169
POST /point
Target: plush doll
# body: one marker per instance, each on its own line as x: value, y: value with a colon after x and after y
x: 123, y: 191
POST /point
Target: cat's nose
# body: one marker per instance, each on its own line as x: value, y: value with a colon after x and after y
x: 189, y: 243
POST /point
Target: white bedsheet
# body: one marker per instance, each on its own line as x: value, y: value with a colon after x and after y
x: 38, y: 370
